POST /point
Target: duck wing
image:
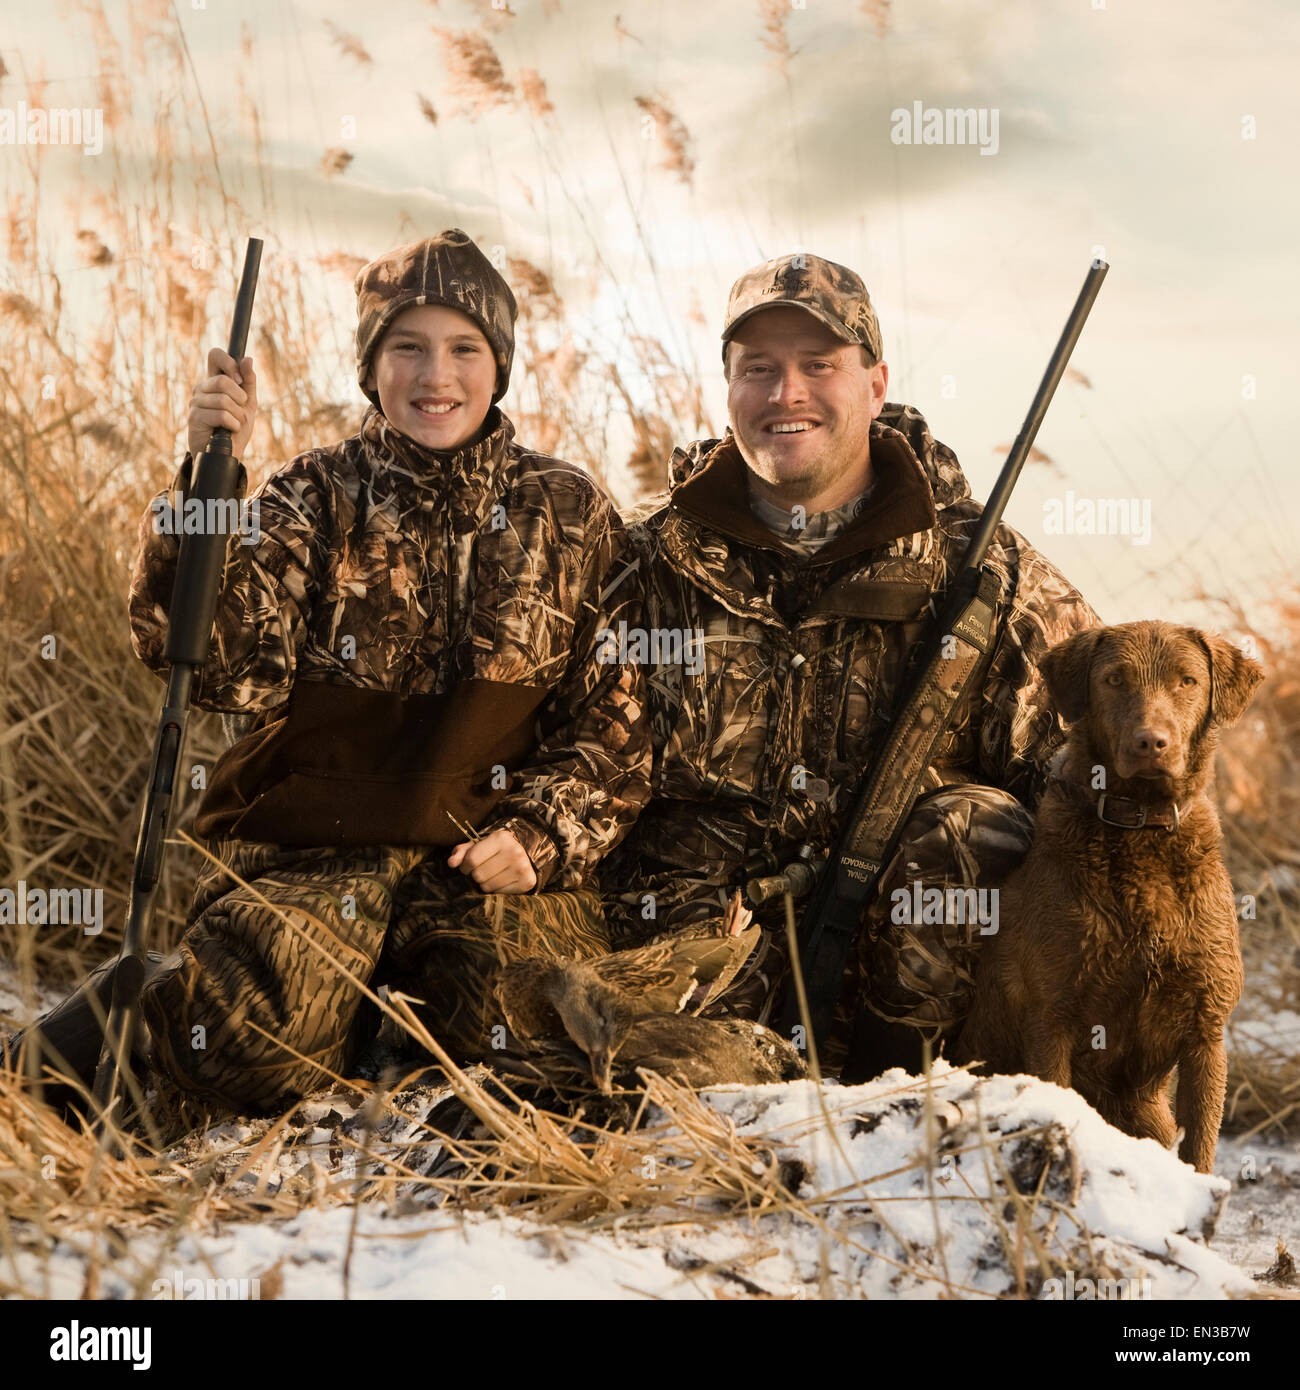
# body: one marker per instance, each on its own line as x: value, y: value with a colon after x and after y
x: 524, y: 990
x: 719, y: 967
x: 660, y: 979
x: 708, y: 1052
x: 651, y: 978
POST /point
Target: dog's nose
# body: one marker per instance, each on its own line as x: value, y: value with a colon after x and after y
x: 1151, y: 742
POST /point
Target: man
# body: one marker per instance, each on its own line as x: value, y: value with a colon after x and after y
x: 804, y: 550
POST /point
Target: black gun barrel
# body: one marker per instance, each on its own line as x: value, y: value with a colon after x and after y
x: 220, y: 441
x: 1010, y: 473
x: 199, y: 566
x: 214, y: 489
x: 244, y: 298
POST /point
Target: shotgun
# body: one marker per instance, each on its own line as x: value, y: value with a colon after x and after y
x: 951, y: 655
x: 199, y: 565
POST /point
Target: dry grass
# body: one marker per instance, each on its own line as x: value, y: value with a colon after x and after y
x: 677, y: 1165
x: 670, y: 1162
x: 877, y: 11
x: 349, y: 45
x: 533, y: 91
x: 680, y: 1166
x: 673, y: 139
x: 475, y: 72
x: 334, y: 162
x: 91, y: 426
x: 1259, y: 796
x: 773, y: 15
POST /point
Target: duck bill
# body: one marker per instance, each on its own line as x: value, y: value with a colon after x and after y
x: 602, y: 1066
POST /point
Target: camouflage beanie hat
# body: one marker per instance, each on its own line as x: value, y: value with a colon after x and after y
x: 444, y: 269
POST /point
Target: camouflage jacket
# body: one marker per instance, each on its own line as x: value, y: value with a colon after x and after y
x: 418, y: 636
x: 761, y: 736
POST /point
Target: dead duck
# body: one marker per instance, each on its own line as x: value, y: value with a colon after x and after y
x: 709, y: 1051
x: 596, y: 1002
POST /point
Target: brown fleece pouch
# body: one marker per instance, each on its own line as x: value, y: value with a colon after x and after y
x: 346, y: 766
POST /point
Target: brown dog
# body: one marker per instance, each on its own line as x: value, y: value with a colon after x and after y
x: 1117, y: 955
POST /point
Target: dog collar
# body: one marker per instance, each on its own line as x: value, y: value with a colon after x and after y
x: 1129, y: 814
x: 1125, y: 812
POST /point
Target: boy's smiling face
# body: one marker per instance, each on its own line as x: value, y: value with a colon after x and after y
x: 434, y: 373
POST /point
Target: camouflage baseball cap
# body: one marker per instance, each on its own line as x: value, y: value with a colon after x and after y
x: 444, y: 269
x: 831, y: 293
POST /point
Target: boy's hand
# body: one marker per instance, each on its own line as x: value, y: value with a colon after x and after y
x: 497, y: 862
x: 227, y: 396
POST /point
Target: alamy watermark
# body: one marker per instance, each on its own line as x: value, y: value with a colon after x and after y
x: 1098, y: 516
x: 55, y: 125
x: 654, y: 646
x: 174, y: 514
x: 72, y: 1342
x: 179, y: 1288
x: 957, y: 906
x: 1075, y: 1290
x: 53, y: 907
x: 945, y: 125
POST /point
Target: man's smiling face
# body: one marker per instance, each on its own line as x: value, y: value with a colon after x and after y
x: 801, y: 402
x: 434, y: 373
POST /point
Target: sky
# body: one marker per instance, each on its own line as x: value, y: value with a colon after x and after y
x: 1161, y: 135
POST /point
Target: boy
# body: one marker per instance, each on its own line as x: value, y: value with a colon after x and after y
x: 415, y: 633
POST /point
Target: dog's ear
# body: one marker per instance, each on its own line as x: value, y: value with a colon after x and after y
x: 1065, y: 671
x: 1233, y: 678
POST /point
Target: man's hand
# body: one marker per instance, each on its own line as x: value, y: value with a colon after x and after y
x: 497, y: 862
x: 226, y: 397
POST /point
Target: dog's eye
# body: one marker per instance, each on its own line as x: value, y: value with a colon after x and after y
x: 1115, y: 679
x: 1188, y: 680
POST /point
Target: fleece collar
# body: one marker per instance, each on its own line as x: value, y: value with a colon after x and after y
x: 902, y: 502
x: 462, y: 474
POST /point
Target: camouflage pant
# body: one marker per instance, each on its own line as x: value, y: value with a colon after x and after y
x: 253, y: 1007
x: 917, y: 968
x: 913, y: 968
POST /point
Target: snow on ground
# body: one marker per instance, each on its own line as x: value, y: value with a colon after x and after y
x: 1265, y: 1203
x: 1274, y: 1034
x: 871, y: 1218
x: 1144, y: 1214
x: 434, y: 1255
x: 18, y: 1006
